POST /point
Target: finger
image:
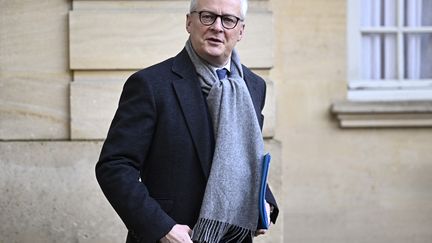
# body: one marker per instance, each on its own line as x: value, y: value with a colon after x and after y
x: 260, y: 232
x: 188, y: 239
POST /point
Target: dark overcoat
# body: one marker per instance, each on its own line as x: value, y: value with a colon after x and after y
x: 156, y: 159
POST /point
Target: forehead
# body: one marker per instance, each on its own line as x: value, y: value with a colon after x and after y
x: 220, y: 6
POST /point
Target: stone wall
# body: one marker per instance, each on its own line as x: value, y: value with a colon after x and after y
x: 50, y: 194
x: 62, y: 67
x: 340, y: 185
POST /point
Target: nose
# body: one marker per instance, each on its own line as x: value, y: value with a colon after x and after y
x: 217, y: 25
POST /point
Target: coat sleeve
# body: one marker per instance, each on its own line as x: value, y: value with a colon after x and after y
x: 272, y: 201
x: 123, y: 153
x: 269, y: 195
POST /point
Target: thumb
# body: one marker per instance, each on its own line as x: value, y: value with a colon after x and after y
x: 189, y: 231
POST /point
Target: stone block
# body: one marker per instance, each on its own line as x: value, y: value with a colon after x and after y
x: 93, y: 105
x: 311, y: 39
x: 49, y: 193
x: 31, y: 109
x: 129, y: 39
x: 94, y: 102
x: 34, y: 71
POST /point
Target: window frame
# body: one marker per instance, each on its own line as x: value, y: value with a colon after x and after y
x: 399, y: 89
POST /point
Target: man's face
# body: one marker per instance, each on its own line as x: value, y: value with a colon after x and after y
x: 215, y: 43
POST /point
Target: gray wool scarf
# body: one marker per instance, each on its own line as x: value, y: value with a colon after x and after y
x: 229, y: 209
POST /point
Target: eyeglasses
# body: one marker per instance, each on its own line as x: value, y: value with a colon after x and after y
x: 208, y: 18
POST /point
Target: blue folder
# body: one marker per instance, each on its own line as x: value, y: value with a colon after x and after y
x: 263, y: 218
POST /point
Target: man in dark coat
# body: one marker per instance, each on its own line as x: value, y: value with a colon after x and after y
x: 155, y: 163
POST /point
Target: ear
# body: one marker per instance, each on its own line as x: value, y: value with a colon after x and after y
x: 188, y: 23
x: 241, y: 32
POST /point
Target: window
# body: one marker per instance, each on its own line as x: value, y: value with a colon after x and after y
x: 389, y: 50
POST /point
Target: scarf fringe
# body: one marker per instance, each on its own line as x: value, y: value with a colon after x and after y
x: 213, y: 231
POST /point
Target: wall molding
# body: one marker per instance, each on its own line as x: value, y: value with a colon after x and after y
x: 383, y: 114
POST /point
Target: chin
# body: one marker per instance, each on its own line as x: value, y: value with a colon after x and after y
x: 215, y: 53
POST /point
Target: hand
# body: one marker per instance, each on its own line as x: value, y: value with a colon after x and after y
x: 263, y: 231
x: 179, y: 233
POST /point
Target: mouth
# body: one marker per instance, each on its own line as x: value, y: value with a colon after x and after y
x: 214, y: 40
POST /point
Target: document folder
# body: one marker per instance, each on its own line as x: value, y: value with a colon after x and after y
x: 263, y: 217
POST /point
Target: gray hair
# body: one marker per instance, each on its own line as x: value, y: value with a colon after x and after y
x: 243, y: 4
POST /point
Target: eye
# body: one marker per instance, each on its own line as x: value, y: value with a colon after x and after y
x: 207, y: 17
x: 229, y: 20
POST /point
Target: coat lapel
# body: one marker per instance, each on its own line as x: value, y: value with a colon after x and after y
x: 255, y: 92
x: 192, y: 103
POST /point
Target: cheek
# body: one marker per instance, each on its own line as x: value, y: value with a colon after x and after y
x: 198, y: 32
x: 234, y: 35
x: 233, y: 39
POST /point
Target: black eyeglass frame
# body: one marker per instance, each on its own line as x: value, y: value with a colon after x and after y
x: 217, y: 16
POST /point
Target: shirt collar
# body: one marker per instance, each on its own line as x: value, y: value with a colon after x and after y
x: 227, y: 66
